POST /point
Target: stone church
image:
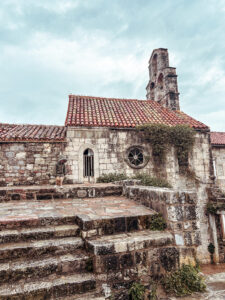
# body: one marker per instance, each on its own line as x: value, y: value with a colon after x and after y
x: 100, y: 137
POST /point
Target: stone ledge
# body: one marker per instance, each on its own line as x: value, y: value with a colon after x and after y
x: 129, y: 242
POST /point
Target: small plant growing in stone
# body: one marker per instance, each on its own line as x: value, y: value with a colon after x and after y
x: 184, y: 281
x: 147, y: 180
x: 157, y: 223
x: 106, y: 178
x: 137, y: 291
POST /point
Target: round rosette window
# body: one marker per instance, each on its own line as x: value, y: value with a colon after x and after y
x: 136, y: 157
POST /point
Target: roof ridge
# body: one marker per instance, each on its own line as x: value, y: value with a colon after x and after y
x: 218, y: 132
x: 106, y: 98
x: 25, y: 124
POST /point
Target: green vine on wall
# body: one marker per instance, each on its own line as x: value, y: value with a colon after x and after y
x: 161, y: 136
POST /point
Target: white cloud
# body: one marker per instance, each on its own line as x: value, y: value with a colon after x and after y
x: 58, y: 6
x: 214, y: 119
x: 76, y: 58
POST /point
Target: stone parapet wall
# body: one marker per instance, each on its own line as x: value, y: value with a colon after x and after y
x: 55, y: 192
x: 179, y: 209
x: 28, y: 163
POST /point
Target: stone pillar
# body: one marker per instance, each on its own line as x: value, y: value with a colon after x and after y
x: 212, y: 224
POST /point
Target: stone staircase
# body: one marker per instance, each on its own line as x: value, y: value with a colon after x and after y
x: 70, y: 253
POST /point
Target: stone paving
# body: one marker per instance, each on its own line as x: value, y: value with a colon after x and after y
x: 91, y: 208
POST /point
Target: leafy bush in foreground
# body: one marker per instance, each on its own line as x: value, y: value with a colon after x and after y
x: 184, y: 281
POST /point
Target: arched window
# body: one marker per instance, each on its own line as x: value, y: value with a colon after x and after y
x: 88, y: 157
x: 160, y: 81
x: 152, y: 92
x: 154, y: 65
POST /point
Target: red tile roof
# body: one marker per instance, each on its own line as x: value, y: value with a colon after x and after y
x: 122, y: 113
x: 218, y: 138
x: 13, y: 132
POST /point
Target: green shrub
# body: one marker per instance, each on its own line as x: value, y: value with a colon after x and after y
x: 137, y: 291
x: 152, y: 293
x: 106, y: 178
x: 147, y: 180
x: 158, y: 223
x: 184, y: 281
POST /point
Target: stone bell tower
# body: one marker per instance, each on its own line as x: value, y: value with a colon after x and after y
x: 162, y: 86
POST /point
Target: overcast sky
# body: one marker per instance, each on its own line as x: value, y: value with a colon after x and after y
x: 51, y: 48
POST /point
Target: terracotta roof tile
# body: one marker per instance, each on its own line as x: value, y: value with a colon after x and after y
x: 122, y: 113
x: 218, y: 138
x: 13, y: 132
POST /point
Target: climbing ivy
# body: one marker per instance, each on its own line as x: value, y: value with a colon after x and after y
x: 182, y: 137
x: 160, y: 136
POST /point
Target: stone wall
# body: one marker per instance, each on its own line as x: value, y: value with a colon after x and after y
x: 28, y: 163
x: 180, y: 210
x: 219, y: 165
x: 110, y: 155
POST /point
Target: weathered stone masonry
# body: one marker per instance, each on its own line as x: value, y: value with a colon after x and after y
x: 26, y: 163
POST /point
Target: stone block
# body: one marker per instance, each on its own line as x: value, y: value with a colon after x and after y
x: 10, y: 154
x: 179, y: 240
x: 81, y: 193
x: 21, y: 155
x: 190, y: 212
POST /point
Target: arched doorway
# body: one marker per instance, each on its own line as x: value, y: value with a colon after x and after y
x: 88, y: 163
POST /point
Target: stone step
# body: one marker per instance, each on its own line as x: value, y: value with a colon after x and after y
x: 128, y: 242
x: 60, y: 287
x: 32, y: 269
x: 39, y: 233
x: 110, y: 224
x: 129, y: 251
x: 16, y: 222
x: 38, y: 248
